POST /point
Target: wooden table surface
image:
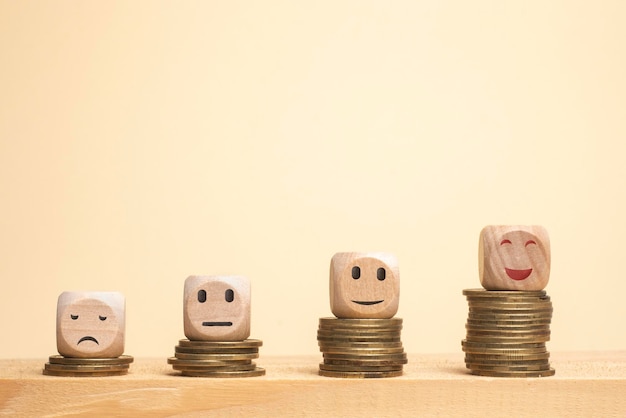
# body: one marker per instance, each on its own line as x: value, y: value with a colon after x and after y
x: 585, y: 384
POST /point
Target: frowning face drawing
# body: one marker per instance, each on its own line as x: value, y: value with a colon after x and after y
x: 90, y: 324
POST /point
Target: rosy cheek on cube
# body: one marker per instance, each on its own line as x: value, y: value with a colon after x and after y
x: 514, y: 257
x: 216, y: 308
x: 364, y: 285
x: 91, y: 324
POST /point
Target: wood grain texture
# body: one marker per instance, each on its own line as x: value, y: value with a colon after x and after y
x: 91, y: 324
x: 364, y: 285
x: 217, y: 308
x: 586, y: 384
x: 514, y: 257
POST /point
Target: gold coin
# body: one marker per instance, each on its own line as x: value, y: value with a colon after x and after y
x: 506, y: 352
x: 352, y: 356
x: 508, y: 333
x: 56, y: 359
x: 224, y: 374
x: 509, y: 368
x: 511, y: 317
x: 62, y: 373
x: 352, y: 368
x: 361, y: 351
x: 491, y: 373
x: 360, y: 330
x: 510, y: 304
x: 219, y: 357
x: 359, y: 333
x: 85, y: 368
x: 523, y: 299
x: 504, y: 324
x: 225, y: 344
x: 350, y: 322
x: 358, y: 344
x: 359, y: 375
x: 359, y: 339
x: 490, y: 339
x: 365, y: 362
x: 205, y: 363
x: 212, y: 350
x: 230, y: 367
x: 514, y: 313
x: 510, y: 307
x: 507, y: 329
x: 472, y: 359
x: 503, y: 293
x: 503, y: 345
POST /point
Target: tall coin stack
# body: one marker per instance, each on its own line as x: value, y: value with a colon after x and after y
x: 508, y: 323
x: 216, y: 314
x: 361, y: 348
x: 217, y: 358
x: 363, y: 341
x: 507, y: 333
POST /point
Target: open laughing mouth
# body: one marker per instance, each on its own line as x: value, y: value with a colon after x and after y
x: 518, y: 274
x: 367, y: 302
x: 88, y: 338
x: 217, y: 324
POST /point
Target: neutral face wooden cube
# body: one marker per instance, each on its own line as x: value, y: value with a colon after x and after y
x: 91, y: 324
x: 514, y: 257
x: 364, y: 285
x: 217, y: 308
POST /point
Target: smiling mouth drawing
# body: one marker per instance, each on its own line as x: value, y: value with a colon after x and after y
x: 367, y: 302
x: 88, y: 338
x: 217, y: 324
x: 518, y: 274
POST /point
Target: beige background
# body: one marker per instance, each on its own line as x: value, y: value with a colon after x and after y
x: 144, y: 141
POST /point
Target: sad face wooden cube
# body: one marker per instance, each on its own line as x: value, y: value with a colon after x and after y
x: 217, y: 308
x: 364, y: 285
x: 91, y: 324
x: 514, y: 257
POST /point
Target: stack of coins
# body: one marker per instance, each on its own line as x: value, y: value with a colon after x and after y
x: 507, y: 333
x: 87, y: 367
x: 361, y: 348
x: 217, y: 358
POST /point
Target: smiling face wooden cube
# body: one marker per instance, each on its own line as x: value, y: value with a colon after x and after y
x: 364, y: 285
x: 514, y: 257
x: 91, y: 324
x: 217, y: 308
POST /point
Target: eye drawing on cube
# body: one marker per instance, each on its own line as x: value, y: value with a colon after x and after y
x: 217, y: 308
x: 514, y: 257
x: 364, y: 285
x: 91, y: 324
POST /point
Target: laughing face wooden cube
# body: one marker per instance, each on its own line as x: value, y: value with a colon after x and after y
x: 514, y: 257
x: 364, y: 285
x: 91, y: 324
x: 217, y: 308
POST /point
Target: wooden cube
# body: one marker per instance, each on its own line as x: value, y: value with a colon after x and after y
x: 364, y: 285
x: 91, y: 324
x: 217, y: 308
x: 514, y: 257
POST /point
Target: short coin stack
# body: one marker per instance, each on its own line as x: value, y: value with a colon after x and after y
x: 361, y: 348
x: 507, y: 333
x: 87, y: 367
x: 217, y: 358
